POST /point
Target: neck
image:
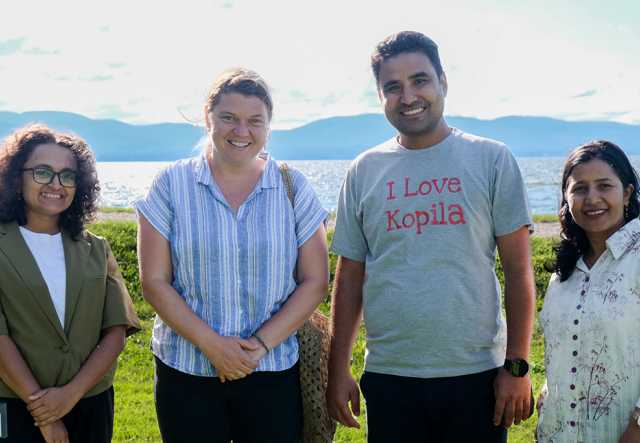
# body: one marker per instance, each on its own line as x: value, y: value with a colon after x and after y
x: 43, y: 224
x: 428, y: 139
x: 221, y: 168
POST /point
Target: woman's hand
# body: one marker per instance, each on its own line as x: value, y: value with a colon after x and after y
x: 230, y: 357
x: 50, y: 405
x: 55, y: 432
x: 257, y: 351
x: 631, y: 434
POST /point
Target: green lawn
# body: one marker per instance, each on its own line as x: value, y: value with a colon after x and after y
x: 135, y: 419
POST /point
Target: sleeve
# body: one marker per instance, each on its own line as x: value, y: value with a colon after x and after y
x: 510, y: 205
x: 156, y: 207
x: 309, y: 213
x: 348, y: 239
x: 118, y: 307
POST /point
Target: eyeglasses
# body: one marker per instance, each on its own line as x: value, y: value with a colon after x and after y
x: 44, y: 176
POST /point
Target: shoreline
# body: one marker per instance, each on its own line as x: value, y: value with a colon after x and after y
x: 544, y: 229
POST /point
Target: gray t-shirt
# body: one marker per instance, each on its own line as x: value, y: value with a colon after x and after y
x: 424, y: 222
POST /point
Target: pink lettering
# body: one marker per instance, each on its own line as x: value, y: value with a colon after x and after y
x: 423, y: 185
x: 390, y: 196
x: 422, y: 219
x: 408, y: 220
x: 391, y: 218
x: 454, y: 185
x: 443, y: 183
x: 406, y: 188
x: 456, y: 215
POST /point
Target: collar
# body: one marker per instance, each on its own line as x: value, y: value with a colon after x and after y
x: 624, y: 239
x: 268, y: 179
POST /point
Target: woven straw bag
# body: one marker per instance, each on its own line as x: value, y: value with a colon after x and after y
x: 314, y: 339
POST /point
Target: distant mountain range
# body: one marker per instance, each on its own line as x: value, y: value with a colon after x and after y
x: 331, y: 138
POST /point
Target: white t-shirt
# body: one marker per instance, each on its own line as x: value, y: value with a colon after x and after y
x: 49, y: 255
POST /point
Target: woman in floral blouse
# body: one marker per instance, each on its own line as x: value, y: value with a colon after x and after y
x: 591, y: 314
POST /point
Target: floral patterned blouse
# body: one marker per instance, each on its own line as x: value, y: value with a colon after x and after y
x: 591, y: 325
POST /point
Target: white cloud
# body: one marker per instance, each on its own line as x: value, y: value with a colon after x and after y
x: 156, y: 59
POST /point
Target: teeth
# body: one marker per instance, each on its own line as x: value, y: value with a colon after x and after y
x: 239, y: 144
x: 595, y: 212
x: 47, y: 195
x: 413, y: 111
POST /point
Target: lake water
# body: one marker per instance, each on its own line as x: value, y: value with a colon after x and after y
x: 124, y: 182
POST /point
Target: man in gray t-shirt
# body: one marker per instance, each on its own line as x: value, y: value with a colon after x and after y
x: 419, y: 219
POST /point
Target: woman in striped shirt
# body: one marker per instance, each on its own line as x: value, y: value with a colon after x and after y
x: 219, y: 243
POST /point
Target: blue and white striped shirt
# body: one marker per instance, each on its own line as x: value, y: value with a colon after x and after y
x: 234, y: 270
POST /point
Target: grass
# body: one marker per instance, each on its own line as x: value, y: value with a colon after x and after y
x: 135, y: 418
x: 545, y: 218
x: 112, y: 209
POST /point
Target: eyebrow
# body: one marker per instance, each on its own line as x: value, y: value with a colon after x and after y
x: 598, y: 180
x: 222, y: 112
x: 411, y: 77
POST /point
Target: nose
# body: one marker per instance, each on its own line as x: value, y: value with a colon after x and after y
x: 408, y: 96
x: 593, y: 194
x: 241, y: 129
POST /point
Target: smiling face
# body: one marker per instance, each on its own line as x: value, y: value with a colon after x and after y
x: 237, y: 127
x: 596, y: 199
x: 47, y: 201
x: 412, y: 95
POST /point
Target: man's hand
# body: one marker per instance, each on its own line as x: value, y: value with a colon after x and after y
x: 342, y: 389
x: 56, y: 432
x: 50, y: 405
x: 230, y: 357
x: 513, y: 398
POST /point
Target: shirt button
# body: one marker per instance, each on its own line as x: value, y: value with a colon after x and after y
x: 586, y: 279
x: 572, y: 423
x: 573, y: 370
x: 583, y: 292
x: 575, y: 353
x: 579, y: 307
x: 573, y: 405
x: 576, y: 321
x: 575, y: 337
x: 572, y: 387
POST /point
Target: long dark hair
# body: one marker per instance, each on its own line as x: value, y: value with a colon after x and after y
x: 573, y: 239
x: 14, y: 153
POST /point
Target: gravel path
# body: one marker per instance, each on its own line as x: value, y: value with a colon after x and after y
x: 546, y: 229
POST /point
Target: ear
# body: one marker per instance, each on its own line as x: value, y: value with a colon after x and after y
x: 207, y: 118
x: 444, y: 83
x: 626, y: 195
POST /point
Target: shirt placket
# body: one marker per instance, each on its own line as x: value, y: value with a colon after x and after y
x: 576, y: 330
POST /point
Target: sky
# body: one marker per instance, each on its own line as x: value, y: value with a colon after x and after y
x: 146, y: 62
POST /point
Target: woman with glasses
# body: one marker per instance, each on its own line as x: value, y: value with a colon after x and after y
x: 218, y: 245
x: 64, y: 308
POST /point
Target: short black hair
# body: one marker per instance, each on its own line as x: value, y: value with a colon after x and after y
x: 403, y: 42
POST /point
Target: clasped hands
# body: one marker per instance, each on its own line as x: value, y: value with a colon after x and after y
x: 234, y: 357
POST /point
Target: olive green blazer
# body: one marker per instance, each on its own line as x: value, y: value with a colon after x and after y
x: 96, y: 298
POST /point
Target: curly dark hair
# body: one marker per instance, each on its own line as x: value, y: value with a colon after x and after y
x: 14, y: 153
x: 573, y: 240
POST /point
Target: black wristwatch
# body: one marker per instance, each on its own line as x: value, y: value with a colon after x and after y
x: 517, y: 367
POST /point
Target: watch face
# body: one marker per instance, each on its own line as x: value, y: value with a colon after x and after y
x: 517, y: 367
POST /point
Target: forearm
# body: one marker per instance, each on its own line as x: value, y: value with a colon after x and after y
x: 346, y: 312
x: 294, y: 312
x: 14, y: 371
x: 175, y: 312
x: 520, y: 309
x: 99, y: 362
